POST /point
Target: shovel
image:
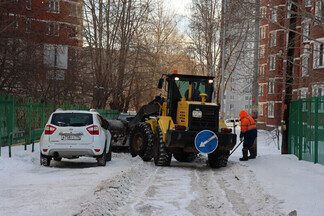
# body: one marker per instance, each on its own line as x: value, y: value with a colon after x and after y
x: 236, y: 147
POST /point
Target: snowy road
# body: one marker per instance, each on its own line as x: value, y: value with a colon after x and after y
x: 270, y: 185
x: 185, y: 189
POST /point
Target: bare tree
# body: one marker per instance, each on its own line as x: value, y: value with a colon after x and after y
x: 109, y: 29
x: 206, y: 34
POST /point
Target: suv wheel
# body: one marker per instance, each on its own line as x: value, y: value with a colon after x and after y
x: 57, y: 158
x: 108, y: 156
x: 101, y: 160
x: 45, y: 160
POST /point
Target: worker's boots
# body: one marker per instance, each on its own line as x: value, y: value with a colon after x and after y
x: 245, y: 155
x: 252, y: 153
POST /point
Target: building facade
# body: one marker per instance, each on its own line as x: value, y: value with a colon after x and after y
x: 53, y: 26
x: 308, y: 65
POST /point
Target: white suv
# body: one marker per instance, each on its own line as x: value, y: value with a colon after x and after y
x: 73, y: 133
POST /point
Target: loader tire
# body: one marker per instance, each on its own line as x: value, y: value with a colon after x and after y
x: 185, y: 157
x: 141, y: 141
x: 161, y: 155
x: 218, y: 159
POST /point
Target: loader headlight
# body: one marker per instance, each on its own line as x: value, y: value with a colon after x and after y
x: 196, y: 114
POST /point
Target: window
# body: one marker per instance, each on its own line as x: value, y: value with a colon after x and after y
x: 273, y: 39
x: 72, y: 119
x: 272, y: 62
x: 28, y: 4
x: 53, y: 6
x: 319, y: 12
x: 76, y: 10
x: 232, y: 97
x: 274, y: 15
x: 261, y: 109
x: 73, y: 31
x: 307, y: 29
x: 318, y: 55
x: 261, y: 70
x: 231, y: 106
x: 289, y: 8
x: 321, y: 56
x: 271, y: 86
x: 262, y: 32
x: 246, y: 97
x: 28, y: 25
x: 305, y: 65
x: 271, y: 109
x: 262, y: 51
x: 16, y: 24
x: 303, y: 92
x: 261, y: 90
x: 308, y: 3
x: 263, y: 12
x: 53, y: 28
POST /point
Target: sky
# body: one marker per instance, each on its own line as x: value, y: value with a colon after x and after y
x: 181, y: 7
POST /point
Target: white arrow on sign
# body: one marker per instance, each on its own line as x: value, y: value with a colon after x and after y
x: 203, y: 144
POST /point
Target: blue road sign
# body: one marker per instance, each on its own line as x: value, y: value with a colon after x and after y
x: 206, y: 141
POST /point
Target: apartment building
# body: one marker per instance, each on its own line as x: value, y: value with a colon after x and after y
x: 308, y: 65
x: 54, y: 26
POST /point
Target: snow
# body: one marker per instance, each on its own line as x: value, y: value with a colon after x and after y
x: 271, y: 184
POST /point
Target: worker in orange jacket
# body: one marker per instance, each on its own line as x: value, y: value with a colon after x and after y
x: 248, y: 133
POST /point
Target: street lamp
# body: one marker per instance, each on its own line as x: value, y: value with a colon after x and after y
x: 223, y: 61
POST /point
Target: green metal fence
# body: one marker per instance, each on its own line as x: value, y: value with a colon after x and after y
x: 28, y: 117
x: 306, y: 129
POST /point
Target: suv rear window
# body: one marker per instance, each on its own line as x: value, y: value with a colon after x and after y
x: 72, y: 119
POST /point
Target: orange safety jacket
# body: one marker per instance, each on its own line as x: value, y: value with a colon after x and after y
x: 247, y: 122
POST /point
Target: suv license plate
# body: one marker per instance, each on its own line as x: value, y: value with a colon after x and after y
x: 71, y: 137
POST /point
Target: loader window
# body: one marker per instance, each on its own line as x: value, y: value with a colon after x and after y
x: 198, y: 87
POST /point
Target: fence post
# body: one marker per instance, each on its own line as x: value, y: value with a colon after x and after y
x: 29, y: 121
x: 316, y: 129
x: 10, y: 141
x: 11, y: 115
x: 43, y: 114
x: 300, y: 128
x: 0, y: 134
x: 290, y: 134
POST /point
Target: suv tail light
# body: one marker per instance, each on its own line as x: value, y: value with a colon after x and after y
x: 93, y: 130
x: 49, y: 129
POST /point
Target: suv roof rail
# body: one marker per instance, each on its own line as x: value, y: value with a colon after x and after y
x: 58, y: 109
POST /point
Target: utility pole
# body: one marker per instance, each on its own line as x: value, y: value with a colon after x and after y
x: 55, y: 62
x: 289, y: 74
x: 223, y: 60
x: 255, y: 86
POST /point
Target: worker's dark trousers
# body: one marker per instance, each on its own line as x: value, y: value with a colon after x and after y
x: 249, y: 137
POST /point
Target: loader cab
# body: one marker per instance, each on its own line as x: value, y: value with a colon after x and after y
x: 179, y: 87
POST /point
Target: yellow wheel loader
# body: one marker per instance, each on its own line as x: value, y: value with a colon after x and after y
x: 181, y: 124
